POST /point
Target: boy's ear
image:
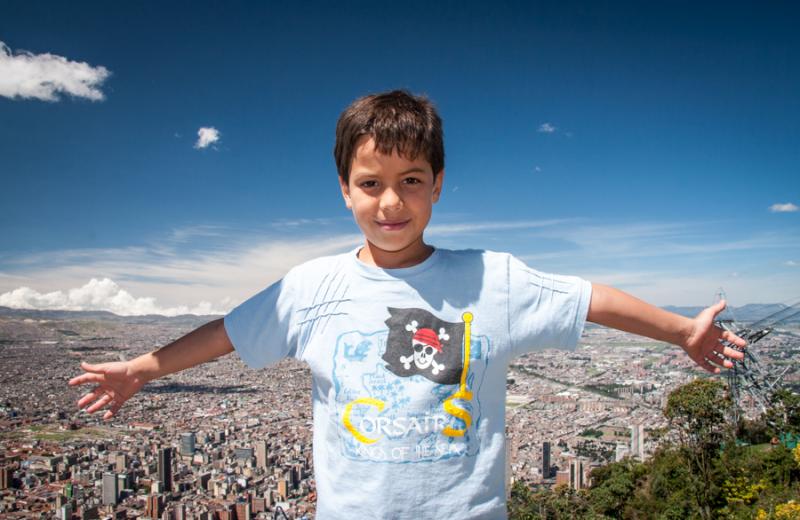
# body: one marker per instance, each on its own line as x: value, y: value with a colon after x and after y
x: 345, y: 193
x: 437, y: 186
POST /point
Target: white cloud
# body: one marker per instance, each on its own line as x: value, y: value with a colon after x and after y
x: 546, y: 128
x: 790, y: 263
x: 99, y: 295
x: 179, y: 274
x: 45, y: 76
x: 787, y: 207
x: 206, y: 136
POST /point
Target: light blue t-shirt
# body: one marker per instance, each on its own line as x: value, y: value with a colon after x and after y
x: 409, y: 372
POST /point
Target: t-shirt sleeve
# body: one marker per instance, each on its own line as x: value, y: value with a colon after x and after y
x: 545, y: 310
x: 262, y: 329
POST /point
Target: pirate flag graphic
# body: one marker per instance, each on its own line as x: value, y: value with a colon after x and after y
x: 421, y: 343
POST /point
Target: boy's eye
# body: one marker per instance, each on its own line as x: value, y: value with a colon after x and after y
x: 411, y: 180
x: 368, y: 184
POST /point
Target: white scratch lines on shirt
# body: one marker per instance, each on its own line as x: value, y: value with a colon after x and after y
x: 330, y: 295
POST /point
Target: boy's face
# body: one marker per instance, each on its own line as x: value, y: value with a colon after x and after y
x: 391, y: 198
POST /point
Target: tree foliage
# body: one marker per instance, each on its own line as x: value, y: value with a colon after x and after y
x: 706, y: 474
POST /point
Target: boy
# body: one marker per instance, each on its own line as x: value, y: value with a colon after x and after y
x: 408, y: 345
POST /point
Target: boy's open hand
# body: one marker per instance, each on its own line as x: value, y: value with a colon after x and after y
x: 706, y: 342
x: 116, y: 383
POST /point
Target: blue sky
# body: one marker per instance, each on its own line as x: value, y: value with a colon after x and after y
x: 653, y: 147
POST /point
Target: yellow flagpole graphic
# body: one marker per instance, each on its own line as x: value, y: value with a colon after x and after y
x: 463, y: 392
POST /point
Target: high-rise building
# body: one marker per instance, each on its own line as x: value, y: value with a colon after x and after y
x: 262, y: 451
x: 203, y: 479
x: 187, y: 443
x: 165, y: 468
x: 546, y: 459
x: 65, y: 512
x: 637, y: 441
x: 110, y: 491
x: 259, y: 505
x: 154, y: 507
x: 226, y: 512
x: 283, y: 488
x: 621, y: 451
x: 296, y: 474
x: 121, y: 462
x: 123, y: 482
x: 5, y: 477
x: 578, y: 472
x: 242, y: 511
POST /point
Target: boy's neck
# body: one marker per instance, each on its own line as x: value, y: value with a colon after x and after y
x: 409, y: 256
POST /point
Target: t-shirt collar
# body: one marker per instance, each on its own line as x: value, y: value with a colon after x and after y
x: 379, y: 273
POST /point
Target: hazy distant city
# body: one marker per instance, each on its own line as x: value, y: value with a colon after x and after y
x: 221, y: 441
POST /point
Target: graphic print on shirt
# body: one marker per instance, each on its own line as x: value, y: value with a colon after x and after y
x: 421, y: 343
x: 412, y: 393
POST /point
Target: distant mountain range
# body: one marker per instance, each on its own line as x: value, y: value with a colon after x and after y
x: 749, y: 313
x: 189, y: 320
x: 746, y: 314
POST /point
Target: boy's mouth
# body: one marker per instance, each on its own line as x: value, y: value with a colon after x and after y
x: 392, y: 225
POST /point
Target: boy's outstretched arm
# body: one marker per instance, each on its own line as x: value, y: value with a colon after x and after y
x: 698, y: 336
x: 118, y: 381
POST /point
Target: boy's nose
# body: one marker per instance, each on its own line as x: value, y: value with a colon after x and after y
x: 390, y: 199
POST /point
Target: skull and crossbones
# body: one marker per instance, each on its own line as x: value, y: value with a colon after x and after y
x: 426, y: 344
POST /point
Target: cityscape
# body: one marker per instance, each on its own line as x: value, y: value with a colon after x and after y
x: 221, y: 441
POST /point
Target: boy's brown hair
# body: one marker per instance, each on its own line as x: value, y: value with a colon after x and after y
x: 396, y: 120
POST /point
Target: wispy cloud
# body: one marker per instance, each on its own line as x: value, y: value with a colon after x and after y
x: 45, y: 76
x: 546, y: 128
x: 790, y: 263
x: 674, y: 287
x: 786, y: 207
x: 206, y: 136
x: 661, y: 239
x: 482, y: 227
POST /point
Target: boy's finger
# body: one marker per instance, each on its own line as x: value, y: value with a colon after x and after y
x: 99, y: 403
x: 86, y: 378
x: 705, y: 363
x: 112, y: 411
x: 720, y: 361
x: 88, y: 398
x: 732, y: 353
x: 730, y: 337
x: 89, y: 367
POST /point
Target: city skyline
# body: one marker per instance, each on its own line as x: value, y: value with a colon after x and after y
x: 653, y: 149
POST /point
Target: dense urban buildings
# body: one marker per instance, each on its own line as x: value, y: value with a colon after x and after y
x: 221, y: 441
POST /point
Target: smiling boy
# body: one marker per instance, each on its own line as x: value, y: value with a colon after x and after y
x: 408, y: 345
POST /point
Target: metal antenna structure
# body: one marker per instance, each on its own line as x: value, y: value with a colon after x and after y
x: 750, y: 376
